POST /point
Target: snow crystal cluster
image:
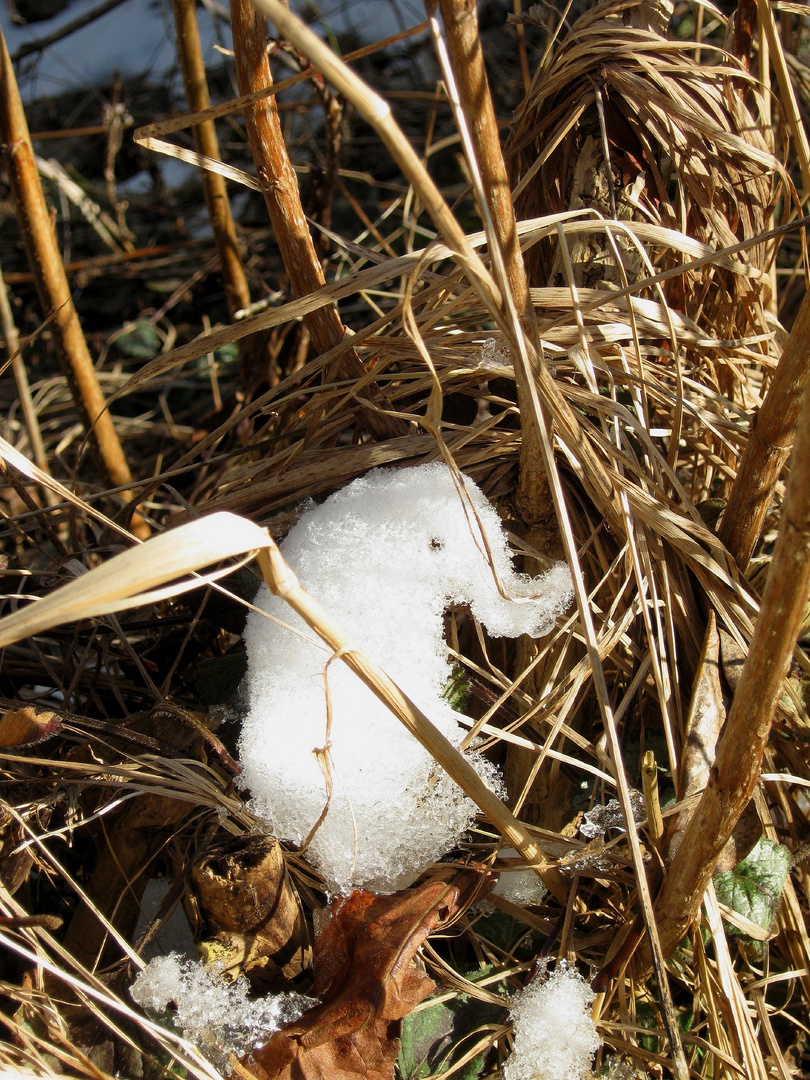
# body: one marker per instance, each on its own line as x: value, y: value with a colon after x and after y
x: 555, y: 1037
x: 519, y: 885
x: 214, y: 1014
x: 386, y: 556
x: 495, y: 354
x: 601, y: 819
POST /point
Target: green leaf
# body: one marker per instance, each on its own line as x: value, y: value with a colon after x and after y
x: 434, y: 1038
x: 754, y: 887
x: 457, y: 689
x: 140, y: 341
x: 501, y: 930
x: 422, y: 1032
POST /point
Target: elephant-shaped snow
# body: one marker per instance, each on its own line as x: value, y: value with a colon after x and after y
x: 386, y: 556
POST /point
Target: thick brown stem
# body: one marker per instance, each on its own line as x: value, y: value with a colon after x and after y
x: 51, y: 280
x: 460, y: 19
x: 772, y: 433
x: 742, y: 742
x: 745, y: 26
x: 283, y: 200
x: 206, y: 142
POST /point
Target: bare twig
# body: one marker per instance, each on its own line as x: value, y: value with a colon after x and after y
x: 29, y: 47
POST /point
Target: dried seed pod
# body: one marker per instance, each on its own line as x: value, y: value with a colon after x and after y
x: 252, y: 916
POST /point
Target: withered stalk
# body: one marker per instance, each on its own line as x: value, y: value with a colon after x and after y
x: 11, y: 338
x: 744, y: 737
x: 206, y: 142
x: 460, y: 19
x: 52, y: 283
x: 769, y: 443
x: 283, y: 200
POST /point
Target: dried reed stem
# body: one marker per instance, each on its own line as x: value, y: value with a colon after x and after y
x: 745, y: 25
x: 769, y: 443
x: 745, y: 735
x: 787, y: 95
x: 276, y: 175
x: 215, y: 190
x: 279, y: 187
x: 460, y: 17
x: 52, y: 283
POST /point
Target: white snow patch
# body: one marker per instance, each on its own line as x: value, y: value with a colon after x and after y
x: 216, y: 1015
x: 555, y: 1037
x: 386, y: 556
x: 519, y: 885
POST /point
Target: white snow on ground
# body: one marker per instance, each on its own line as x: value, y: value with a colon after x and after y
x: 555, y: 1037
x: 386, y: 556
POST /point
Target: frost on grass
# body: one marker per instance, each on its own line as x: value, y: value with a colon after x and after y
x: 386, y: 556
x: 555, y: 1037
x: 217, y: 1016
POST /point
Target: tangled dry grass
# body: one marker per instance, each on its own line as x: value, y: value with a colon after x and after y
x: 605, y: 402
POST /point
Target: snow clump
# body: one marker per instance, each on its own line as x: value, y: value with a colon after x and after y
x: 214, y: 1014
x: 555, y: 1037
x: 519, y: 885
x: 386, y: 556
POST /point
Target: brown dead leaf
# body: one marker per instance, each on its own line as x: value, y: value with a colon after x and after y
x: 367, y: 980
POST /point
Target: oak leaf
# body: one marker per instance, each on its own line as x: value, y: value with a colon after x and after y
x: 367, y: 980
